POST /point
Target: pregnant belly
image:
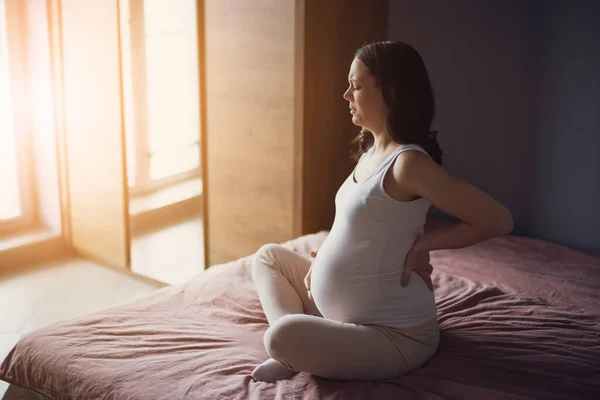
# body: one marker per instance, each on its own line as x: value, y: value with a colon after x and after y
x: 343, y: 293
x: 350, y: 293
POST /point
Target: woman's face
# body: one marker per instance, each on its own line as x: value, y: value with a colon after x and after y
x: 367, y: 106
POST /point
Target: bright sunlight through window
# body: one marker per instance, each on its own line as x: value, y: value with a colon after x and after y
x: 10, y: 207
x: 160, y: 78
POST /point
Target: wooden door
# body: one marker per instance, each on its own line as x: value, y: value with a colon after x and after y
x: 97, y: 187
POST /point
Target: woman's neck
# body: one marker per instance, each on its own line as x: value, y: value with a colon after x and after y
x: 383, y: 142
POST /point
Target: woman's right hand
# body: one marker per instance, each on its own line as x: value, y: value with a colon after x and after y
x: 313, y: 254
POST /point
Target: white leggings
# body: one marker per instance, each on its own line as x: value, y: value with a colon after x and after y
x: 302, y: 340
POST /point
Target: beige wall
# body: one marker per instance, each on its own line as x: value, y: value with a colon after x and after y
x: 94, y: 130
x: 250, y: 48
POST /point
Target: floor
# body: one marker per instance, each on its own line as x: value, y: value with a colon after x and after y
x: 172, y: 255
x: 57, y: 290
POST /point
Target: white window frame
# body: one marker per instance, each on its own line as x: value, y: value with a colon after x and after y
x: 143, y: 183
x: 12, y: 34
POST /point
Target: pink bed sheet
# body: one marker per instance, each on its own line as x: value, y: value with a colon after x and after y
x: 519, y: 319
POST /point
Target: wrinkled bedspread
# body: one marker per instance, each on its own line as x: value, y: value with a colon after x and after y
x: 519, y: 319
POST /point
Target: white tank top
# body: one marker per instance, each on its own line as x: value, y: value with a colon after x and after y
x: 356, y: 274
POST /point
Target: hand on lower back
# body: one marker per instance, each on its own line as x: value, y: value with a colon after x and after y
x: 418, y: 261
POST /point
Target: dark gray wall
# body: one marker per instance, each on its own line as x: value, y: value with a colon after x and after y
x: 518, y: 92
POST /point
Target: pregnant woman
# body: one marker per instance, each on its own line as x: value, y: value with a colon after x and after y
x: 358, y: 311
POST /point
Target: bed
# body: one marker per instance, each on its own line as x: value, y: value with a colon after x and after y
x: 519, y: 320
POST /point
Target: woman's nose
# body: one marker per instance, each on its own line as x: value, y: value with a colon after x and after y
x: 347, y: 95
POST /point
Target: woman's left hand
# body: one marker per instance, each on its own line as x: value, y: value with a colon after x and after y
x: 418, y: 261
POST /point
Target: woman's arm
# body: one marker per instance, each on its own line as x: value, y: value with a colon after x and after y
x: 456, y: 236
x: 482, y: 216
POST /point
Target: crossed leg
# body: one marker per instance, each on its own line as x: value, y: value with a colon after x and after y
x: 300, y: 339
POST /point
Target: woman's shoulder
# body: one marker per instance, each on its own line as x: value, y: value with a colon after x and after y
x: 414, y: 167
x: 412, y: 158
x: 401, y: 182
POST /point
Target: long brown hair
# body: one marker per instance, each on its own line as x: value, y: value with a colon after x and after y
x: 401, y: 75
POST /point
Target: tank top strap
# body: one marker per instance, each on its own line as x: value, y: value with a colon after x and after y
x: 385, y: 166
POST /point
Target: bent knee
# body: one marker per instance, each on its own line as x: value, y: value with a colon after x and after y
x: 282, y: 339
x: 266, y: 256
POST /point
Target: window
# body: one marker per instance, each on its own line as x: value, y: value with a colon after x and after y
x: 15, y: 185
x: 160, y: 89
